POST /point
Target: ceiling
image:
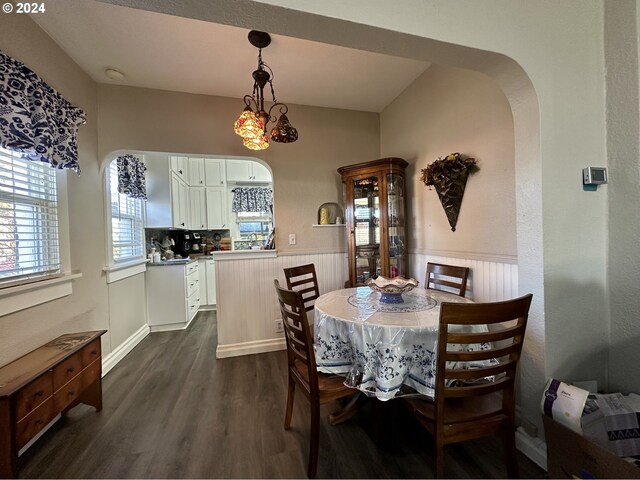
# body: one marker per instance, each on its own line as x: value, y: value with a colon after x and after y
x: 166, y: 52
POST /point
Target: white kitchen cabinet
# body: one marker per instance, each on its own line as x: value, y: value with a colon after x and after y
x: 167, y: 202
x: 247, y: 171
x: 214, y: 172
x: 261, y: 173
x: 207, y: 281
x: 197, y: 208
x: 179, y: 165
x: 173, y: 295
x: 179, y: 202
x: 196, y: 172
x: 217, y: 215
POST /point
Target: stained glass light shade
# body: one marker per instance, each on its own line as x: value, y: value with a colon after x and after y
x: 283, y: 132
x: 249, y: 125
x: 259, y: 143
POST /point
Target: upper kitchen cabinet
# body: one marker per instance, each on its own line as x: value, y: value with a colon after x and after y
x: 167, y: 194
x: 247, y: 171
x: 179, y: 202
x: 217, y: 215
x: 214, y: 172
x: 196, y: 172
x: 197, y: 208
x: 180, y: 166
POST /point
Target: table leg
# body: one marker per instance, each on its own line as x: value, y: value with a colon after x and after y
x: 348, y: 411
x: 385, y: 423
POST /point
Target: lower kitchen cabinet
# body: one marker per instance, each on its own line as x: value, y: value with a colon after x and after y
x: 207, y: 281
x: 173, y: 295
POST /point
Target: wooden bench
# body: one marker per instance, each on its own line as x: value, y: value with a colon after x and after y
x: 46, y: 382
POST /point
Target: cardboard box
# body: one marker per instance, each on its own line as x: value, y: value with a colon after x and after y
x: 570, y: 455
x: 612, y: 423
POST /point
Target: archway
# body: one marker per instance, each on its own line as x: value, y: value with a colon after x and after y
x: 509, y: 75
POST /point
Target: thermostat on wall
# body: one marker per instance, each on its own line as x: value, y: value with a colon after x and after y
x: 594, y: 176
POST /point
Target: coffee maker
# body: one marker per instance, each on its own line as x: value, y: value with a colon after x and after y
x: 195, y: 246
x: 186, y: 243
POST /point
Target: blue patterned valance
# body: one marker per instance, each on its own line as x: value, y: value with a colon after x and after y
x: 252, y: 199
x: 35, y: 120
x: 131, y: 177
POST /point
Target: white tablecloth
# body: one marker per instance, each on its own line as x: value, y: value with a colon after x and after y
x: 380, y: 352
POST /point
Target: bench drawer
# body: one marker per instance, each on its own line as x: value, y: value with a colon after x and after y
x: 92, y: 373
x: 29, y: 426
x: 66, y: 370
x: 91, y: 352
x: 67, y: 394
x: 34, y: 394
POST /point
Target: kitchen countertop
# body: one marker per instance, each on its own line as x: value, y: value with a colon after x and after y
x: 177, y: 261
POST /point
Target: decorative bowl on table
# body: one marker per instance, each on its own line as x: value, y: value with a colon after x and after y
x: 391, y: 289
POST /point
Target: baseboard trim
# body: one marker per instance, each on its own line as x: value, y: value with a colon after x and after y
x: 533, y: 447
x: 123, y: 349
x: 168, y: 327
x: 250, y: 348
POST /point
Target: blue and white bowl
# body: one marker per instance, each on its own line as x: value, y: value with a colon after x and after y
x: 391, y: 289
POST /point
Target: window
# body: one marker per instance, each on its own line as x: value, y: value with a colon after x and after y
x: 254, y: 230
x: 29, y: 240
x: 127, y: 221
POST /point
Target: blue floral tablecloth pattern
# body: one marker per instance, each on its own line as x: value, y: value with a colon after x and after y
x: 380, y: 352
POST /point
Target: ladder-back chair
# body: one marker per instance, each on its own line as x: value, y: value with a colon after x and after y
x: 447, y: 278
x: 319, y: 388
x: 479, y: 400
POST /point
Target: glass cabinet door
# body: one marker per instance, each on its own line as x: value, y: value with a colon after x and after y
x: 396, y: 240
x: 366, y: 221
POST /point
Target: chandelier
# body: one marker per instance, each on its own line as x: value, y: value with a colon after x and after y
x: 253, y: 121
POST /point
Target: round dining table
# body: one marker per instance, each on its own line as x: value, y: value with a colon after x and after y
x: 384, y: 350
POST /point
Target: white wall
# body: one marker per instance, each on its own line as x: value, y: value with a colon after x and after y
x: 127, y: 308
x: 623, y: 151
x: 86, y: 308
x: 247, y: 303
x: 89, y: 306
x: 463, y: 111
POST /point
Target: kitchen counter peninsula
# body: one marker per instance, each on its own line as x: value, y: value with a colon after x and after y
x: 222, y: 255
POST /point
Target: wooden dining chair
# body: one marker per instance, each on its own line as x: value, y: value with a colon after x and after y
x: 303, y: 279
x: 476, y: 401
x: 448, y: 278
x: 319, y: 388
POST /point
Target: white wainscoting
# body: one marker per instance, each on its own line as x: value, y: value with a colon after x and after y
x: 247, y: 307
x: 489, y: 281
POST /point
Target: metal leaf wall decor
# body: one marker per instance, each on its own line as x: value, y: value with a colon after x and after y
x: 449, y: 177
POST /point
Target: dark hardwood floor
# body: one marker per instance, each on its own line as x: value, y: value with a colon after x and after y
x: 171, y: 410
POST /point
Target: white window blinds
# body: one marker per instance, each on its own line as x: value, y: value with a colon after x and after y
x: 29, y: 243
x: 127, y: 221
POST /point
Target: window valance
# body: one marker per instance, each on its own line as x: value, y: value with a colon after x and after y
x: 35, y: 120
x: 131, y: 176
x: 252, y: 199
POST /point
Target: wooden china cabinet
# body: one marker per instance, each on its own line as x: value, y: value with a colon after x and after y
x: 374, y: 195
